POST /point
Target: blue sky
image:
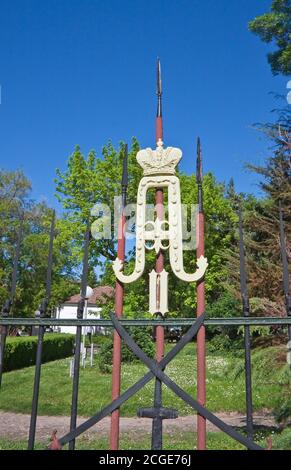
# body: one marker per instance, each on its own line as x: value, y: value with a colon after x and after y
x: 83, y: 72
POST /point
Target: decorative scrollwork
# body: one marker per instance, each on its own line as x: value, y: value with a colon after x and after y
x: 162, y: 230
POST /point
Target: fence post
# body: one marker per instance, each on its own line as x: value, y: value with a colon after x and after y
x: 41, y: 331
x: 119, y: 290
x: 78, y: 339
x: 285, y: 269
x: 247, y: 336
x: 157, y: 424
x: 201, y: 359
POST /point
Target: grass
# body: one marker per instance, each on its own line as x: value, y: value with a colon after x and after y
x: 176, y: 441
x: 171, y: 441
x: 183, y: 441
x: 225, y: 384
x: 225, y: 392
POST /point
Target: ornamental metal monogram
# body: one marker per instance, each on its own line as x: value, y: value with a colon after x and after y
x: 158, y: 235
x: 159, y: 172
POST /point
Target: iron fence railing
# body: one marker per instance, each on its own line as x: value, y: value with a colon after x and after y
x: 156, y: 371
x: 229, y: 321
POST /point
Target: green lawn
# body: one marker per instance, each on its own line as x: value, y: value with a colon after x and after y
x: 225, y: 384
x: 177, y: 441
x: 225, y: 392
x: 173, y: 441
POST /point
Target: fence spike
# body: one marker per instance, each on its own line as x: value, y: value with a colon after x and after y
x: 77, y: 354
x: 247, y: 337
x: 286, y: 287
x: 41, y: 330
x: 159, y: 88
x: 199, y: 177
x: 124, y: 180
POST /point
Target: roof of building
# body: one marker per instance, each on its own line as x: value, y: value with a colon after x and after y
x: 100, y: 296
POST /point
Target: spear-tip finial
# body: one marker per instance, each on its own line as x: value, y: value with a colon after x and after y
x: 199, y: 163
x: 159, y: 77
x: 159, y: 88
x: 124, y: 180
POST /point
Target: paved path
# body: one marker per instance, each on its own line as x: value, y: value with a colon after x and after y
x: 15, y: 426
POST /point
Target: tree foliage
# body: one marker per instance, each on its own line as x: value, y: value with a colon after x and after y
x: 15, y: 204
x: 90, y: 181
x: 276, y: 26
x: 261, y: 224
x: 262, y: 220
x: 220, y: 220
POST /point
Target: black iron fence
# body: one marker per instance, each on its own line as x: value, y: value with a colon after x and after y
x: 157, y: 371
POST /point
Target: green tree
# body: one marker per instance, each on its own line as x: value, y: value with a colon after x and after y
x: 276, y: 26
x: 262, y: 220
x: 33, y: 263
x: 90, y: 181
x: 14, y: 199
x: 220, y: 221
x: 261, y: 224
x: 15, y: 204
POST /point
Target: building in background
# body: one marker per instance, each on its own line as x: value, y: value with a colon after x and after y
x: 94, y: 307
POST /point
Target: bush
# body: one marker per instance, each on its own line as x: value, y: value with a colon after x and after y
x: 225, y: 306
x: 282, y: 441
x: 98, y: 340
x: 141, y: 336
x: 222, y: 343
x: 21, y: 351
x: 105, y: 357
x: 282, y: 411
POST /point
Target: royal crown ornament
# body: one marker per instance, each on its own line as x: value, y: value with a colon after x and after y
x: 159, y: 173
x: 160, y: 161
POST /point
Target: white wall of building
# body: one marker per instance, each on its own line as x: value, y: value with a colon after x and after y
x: 70, y: 312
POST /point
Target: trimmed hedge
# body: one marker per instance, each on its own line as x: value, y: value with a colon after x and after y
x: 143, y: 339
x: 21, y: 351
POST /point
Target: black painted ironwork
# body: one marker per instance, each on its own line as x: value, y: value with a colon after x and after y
x: 157, y: 424
x: 124, y: 179
x: 183, y: 322
x: 199, y: 177
x: 41, y: 331
x: 159, y: 88
x: 9, y: 302
x: 157, y: 370
x: 192, y: 331
x: 157, y: 412
x: 247, y: 335
x: 286, y: 285
x: 77, y: 352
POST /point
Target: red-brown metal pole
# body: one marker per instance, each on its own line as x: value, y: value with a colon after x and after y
x: 160, y: 334
x: 119, y: 291
x: 159, y: 130
x: 201, y: 360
